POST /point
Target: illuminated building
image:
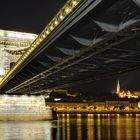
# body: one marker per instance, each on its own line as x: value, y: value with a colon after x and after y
x: 23, y: 107
x: 127, y: 93
x: 12, y: 46
x: 138, y: 104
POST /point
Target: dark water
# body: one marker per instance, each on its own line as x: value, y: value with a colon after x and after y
x: 74, y: 127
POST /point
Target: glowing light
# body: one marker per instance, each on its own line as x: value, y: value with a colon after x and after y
x: 1, y: 33
x: 40, y: 39
x: 74, y: 3
x: 15, y: 48
x: 57, y: 99
x: 43, y: 35
x: 13, y: 45
x: 21, y: 35
x: 68, y: 10
x: 128, y: 94
x: 37, y: 42
x: 51, y: 28
x: 61, y: 17
x: 34, y: 45
x: 70, y: 5
x: 31, y: 48
x: 47, y: 32
x: 138, y: 104
x: 56, y: 22
x: 2, y: 72
x: 25, y: 105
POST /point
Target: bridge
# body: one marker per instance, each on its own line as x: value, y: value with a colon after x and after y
x: 86, y: 40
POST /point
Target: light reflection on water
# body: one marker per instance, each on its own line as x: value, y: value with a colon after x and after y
x: 74, y: 127
x: 25, y: 130
x: 100, y: 127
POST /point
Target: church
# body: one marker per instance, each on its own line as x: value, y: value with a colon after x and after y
x: 126, y: 93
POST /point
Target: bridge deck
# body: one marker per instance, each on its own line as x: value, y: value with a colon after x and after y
x: 98, y: 38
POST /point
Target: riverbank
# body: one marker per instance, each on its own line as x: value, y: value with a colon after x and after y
x: 97, y: 112
x: 107, y: 107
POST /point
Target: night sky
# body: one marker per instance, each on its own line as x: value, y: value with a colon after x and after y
x: 28, y: 15
x: 128, y: 81
x: 32, y: 16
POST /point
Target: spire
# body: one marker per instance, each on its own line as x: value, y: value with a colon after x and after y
x: 118, y: 87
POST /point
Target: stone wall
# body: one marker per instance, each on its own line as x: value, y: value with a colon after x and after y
x: 23, y: 107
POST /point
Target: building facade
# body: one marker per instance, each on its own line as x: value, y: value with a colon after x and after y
x: 12, y: 46
x: 126, y: 93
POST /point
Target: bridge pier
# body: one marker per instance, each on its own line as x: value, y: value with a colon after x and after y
x: 24, y: 107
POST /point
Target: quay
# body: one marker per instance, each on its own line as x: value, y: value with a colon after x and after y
x: 107, y: 107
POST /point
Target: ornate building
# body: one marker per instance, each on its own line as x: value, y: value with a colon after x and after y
x: 12, y: 46
x: 126, y: 93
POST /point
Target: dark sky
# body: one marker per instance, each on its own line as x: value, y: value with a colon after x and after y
x: 28, y: 15
x: 32, y: 16
x: 129, y: 80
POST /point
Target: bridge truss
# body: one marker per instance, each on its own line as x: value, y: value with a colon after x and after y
x: 98, y: 38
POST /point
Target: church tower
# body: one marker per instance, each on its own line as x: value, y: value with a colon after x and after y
x: 118, y: 88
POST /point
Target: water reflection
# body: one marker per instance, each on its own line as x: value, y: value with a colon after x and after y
x: 26, y: 130
x: 79, y: 127
x: 74, y: 127
x: 99, y: 127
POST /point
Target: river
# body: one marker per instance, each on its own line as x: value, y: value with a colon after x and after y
x: 74, y: 127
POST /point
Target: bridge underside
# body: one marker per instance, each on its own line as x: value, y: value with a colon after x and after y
x: 98, y: 39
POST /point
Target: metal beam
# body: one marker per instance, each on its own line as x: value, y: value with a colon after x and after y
x: 59, y: 65
x: 83, y: 41
x: 116, y: 28
x: 118, y: 59
x: 55, y: 58
x: 125, y: 50
x: 137, y: 2
x: 31, y: 72
x: 83, y: 9
x: 83, y: 55
x: 107, y: 27
x: 44, y: 64
x: 67, y: 51
x: 87, y: 42
x: 34, y: 68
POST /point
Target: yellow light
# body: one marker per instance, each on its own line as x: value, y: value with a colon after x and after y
x: 68, y: 10
x: 56, y: 22
x: 40, y: 39
x: 37, y: 42
x: 34, y: 45
x: 20, y: 61
x: 31, y: 48
x: 22, y: 58
x: 51, y: 28
x: 74, y: 3
x: 43, y: 36
x: 61, y: 17
x: 47, y: 32
x: 26, y: 55
x: 138, y: 104
x: 28, y: 52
